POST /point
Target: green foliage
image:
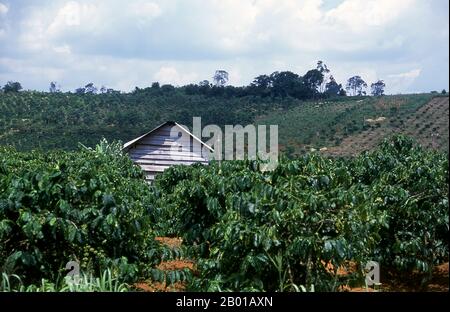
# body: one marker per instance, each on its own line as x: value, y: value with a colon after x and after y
x: 171, y: 277
x: 410, y: 185
x: 357, y: 85
x: 327, y: 122
x: 84, y: 283
x: 297, y: 225
x: 290, y: 229
x: 12, y: 86
x: 86, y: 206
x: 30, y: 120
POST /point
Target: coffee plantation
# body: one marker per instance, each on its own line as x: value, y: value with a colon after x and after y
x: 292, y: 229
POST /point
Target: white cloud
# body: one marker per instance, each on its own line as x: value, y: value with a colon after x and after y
x: 69, y: 15
x: 170, y: 75
x: 33, y: 71
x: 310, y: 11
x: 412, y: 74
x: 33, y: 36
x: 64, y: 49
x: 359, y: 14
x: 145, y: 11
x: 133, y: 43
x: 72, y: 15
x: 229, y: 27
x: 232, y: 22
x: 3, y: 9
x: 402, y: 81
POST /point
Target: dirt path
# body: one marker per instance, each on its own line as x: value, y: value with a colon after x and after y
x: 167, y: 266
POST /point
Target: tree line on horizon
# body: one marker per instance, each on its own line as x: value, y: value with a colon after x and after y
x: 317, y: 83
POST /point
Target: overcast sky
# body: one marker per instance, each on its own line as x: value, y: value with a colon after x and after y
x: 123, y: 44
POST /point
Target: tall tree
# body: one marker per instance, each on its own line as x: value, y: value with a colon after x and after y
x: 356, y: 85
x: 261, y: 85
x: 378, y: 88
x: 332, y: 88
x: 53, y: 88
x: 313, y: 79
x: 90, y: 88
x: 220, y: 78
x: 262, y: 81
x: 167, y: 88
x: 285, y: 83
x: 80, y: 90
x: 12, y: 86
x: 325, y: 71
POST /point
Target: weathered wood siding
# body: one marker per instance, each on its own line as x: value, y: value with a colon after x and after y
x: 165, y: 147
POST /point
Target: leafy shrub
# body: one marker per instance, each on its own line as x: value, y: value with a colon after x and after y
x: 411, y: 185
x: 297, y: 225
x: 288, y: 229
x: 89, y: 206
x: 84, y: 283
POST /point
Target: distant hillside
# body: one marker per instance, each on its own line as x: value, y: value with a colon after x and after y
x: 350, y: 125
x: 345, y: 125
x: 429, y: 125
x: 30, y: 120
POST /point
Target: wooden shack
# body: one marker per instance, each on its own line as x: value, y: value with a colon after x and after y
x: 167, y: 145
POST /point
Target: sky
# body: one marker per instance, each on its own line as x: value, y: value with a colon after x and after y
x: 124, y: 44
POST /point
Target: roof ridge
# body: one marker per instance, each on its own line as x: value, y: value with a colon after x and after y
x: 130, y: 143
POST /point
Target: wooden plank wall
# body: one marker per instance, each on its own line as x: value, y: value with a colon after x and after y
x: 164, y: 148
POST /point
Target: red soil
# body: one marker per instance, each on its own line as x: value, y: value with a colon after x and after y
x: 171, y: 265
x: 172, y: 242
x: 390, y: 281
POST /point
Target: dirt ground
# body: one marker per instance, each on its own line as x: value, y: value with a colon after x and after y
x: 171, y: 242
x: 170, y: 265
x: 440, y: 278
x: 390, y: 281
x: 438, y: 283
x: 394, y: 283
